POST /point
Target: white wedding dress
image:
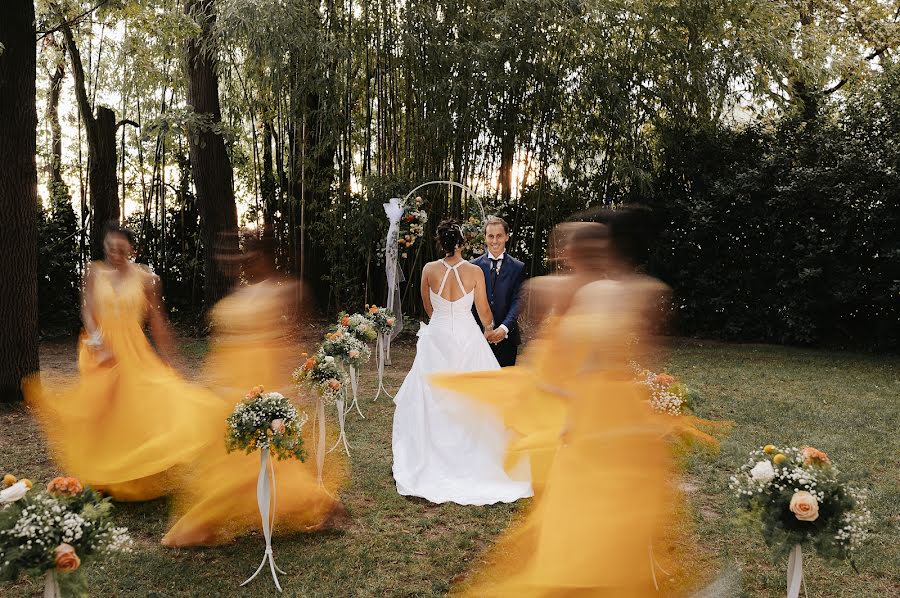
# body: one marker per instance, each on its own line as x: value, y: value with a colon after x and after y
x: 446, y: 447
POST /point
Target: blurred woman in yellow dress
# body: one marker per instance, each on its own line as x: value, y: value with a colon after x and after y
x: 130, y: 421
x: 603, y: 460
x: 253, y: 344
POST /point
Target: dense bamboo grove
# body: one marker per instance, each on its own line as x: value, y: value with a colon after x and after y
x: 311, y: 115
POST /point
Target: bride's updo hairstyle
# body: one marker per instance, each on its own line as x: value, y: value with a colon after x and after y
x: 449, y: 237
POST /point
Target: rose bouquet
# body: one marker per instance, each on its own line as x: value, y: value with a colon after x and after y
x: 412, y: 226
x: 323, y: 374
x: 53, y: 533
x: 266, y: 420
x: 473, y: 233
x: 667, y: 394
x: 359, y: 326
x: 344, y: 346
x: 799, y: 497
x: 382, y: 318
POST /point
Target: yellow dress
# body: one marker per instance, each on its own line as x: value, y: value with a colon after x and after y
x: 128, y: 422
x: 604, y: 490
x: 218, y: 502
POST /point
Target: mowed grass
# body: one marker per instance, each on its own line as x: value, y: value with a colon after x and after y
x: 846, y: 404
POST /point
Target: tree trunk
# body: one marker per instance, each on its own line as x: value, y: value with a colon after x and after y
x: 101, y: 138
x: 54, y: 166
x: 18, y: 199
x: 267, y: 182
x: 210, y: 164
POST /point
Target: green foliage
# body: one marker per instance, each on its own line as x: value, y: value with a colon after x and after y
x: 59, y: 293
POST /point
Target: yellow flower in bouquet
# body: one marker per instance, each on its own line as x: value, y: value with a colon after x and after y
x: 9, y: 479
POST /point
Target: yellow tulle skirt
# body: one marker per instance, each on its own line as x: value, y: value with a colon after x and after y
x: 218, y: 500
x: 127, y: 426
x: 603, y: 492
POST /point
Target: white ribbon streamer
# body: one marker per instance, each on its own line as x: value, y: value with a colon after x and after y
x: 51, y: 585
x: 341, y: 413
x: 394, y: 211
x: 380, y: 360
x: 795, y: 572
x: 354, y: 385
x: 265, y: 500
x: 319, y: 432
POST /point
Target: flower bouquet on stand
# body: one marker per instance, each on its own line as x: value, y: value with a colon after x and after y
x: 383, y: 321
x: 324, y: 376
x: 348, y: 344
x: 798, y: 497
x: 412, y: 226
x: 270, y: 423
x: 54, y: 533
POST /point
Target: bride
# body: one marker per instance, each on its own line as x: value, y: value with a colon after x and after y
x: 447, y: 448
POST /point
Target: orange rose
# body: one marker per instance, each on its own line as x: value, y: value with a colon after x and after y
x: 64, y: 485
x: 345, y: 321
x: 310, y: 364
x: 65, y: 558
x: 373, y: 309
x: 804, y: 506
x: 410, y: 217
x: 663, y: 379
x: 813, y: 456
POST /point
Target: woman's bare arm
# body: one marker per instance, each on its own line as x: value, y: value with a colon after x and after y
x: 481, y: 301
x: 425, y: 289
x: 159, y: 323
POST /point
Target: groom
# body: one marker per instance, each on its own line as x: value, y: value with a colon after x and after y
x: 504, y: 276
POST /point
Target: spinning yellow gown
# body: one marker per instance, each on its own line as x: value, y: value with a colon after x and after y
x: 218, y: 502
x: 600, y: 463
x: 130, y: 420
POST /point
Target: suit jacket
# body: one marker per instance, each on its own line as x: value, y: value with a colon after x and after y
x: 504, y: 294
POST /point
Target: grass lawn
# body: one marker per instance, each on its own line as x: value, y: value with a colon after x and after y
x: 845, y: 404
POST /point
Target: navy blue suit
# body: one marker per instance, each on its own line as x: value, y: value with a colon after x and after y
x: 504, y: 293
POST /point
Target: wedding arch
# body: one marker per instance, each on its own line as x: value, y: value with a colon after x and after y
x: 394, y: 210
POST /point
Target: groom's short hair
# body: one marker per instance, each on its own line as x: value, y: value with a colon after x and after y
x: 491, y: 220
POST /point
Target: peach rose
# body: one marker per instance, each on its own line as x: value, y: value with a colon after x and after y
x: 278, y: 426
x: 390, y: 321
x: 813, y: 456
x: 354, y: 354
x: 65, y: 558
x: 334, y: 384
x: 805, y: 506
x: 64, y: 485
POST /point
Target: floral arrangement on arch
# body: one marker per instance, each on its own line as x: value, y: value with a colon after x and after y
x: 266, y: 420
x: 667, y: 395
x: 412, y: 226
x: 55, y: 532
x: 346, y: 347
x: 358, y: 325
x: 382, y: 319
x: 473, y: 233
x: 799, y: 497
x: 323, y: 374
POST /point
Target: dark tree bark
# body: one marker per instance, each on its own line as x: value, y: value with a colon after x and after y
x: 210, y: 164
x: 54, y: 167
x: 101, y: 137
x: 267, y: 182
x: 18, y: 199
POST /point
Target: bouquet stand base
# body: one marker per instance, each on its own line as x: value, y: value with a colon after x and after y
x: 382, y: 355
x: 265, y: 499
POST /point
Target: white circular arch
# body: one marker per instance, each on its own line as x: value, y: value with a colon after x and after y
x: 467, y: 190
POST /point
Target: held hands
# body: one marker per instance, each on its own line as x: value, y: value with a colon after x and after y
x: 495, y: 335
